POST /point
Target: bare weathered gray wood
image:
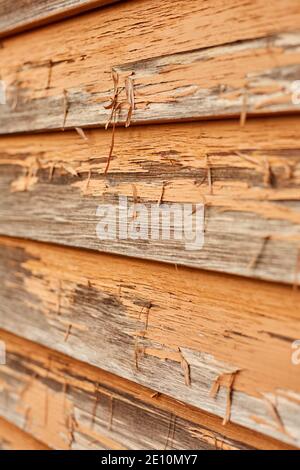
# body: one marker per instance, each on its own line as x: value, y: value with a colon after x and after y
x: 70, y: 308
x: 22, y: 15
x: 179, y: 93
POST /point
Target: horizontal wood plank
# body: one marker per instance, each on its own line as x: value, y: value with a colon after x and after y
x: 186, y: 60
x: 53, y: 396
x: 21, y: 15
x: 177, y: 332
x: 51, y: 187
x: 13, y: 438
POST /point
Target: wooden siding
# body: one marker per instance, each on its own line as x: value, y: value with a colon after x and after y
x: 173, y: 331
x: 190, y: 60
x: 132, y: 344
x: 21, y: 15
x: 71, y: 405
x: 51, y: 186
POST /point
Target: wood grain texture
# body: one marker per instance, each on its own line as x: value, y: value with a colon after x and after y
x: 50, y: 189
x: 104, y: 411
x: 21, y: 15
x: 13, y: 438
x: 176, y: 332
x: 189, y: 59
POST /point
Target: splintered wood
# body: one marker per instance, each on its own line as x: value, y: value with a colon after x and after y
x: 146, y: 310
x: 162, y: 193
x: 116, y: 106
x: 68, y: 332
x: 140, y: 350
x: 72, y: 426
x: 49, y: 76
x: 198, y: 104
x: 209, y: 175
x: 130, y: 98
x: 186, y: 369
x: 30, y: 178
x: 268, y: 178
x: 114, y: 98
x: 221, y: 380
x: 88, y: 180
x: 81, y: 133
x: 51, y: 172
x: 112, y: 145
x: 156, y: 395
x: 65, y: 108
x: 256, y: 258
x: 275, y: 415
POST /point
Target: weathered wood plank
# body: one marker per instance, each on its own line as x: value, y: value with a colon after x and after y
x: 190, y: 60
x: 176, y: 332
x: 13, y: 438
x: 21, y: 15
x: 251, y: 210
x: 109, y: 412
